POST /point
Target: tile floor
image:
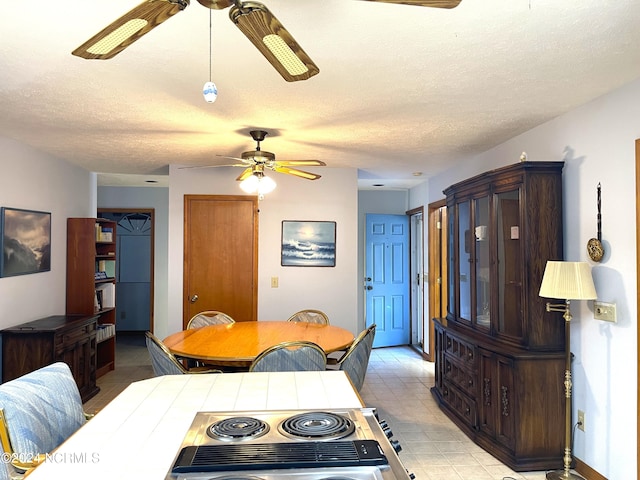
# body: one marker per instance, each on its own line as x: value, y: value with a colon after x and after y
x: 397, y: 384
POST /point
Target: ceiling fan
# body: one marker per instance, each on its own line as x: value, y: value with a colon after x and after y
x: 255, y: 162
x: 260, y: 26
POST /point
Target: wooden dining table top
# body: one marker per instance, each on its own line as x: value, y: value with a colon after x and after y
x: 239, y: 343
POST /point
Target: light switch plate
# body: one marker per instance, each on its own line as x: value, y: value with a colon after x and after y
x: 604, y: 311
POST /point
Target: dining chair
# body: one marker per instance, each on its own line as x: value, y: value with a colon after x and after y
x: 295, y: 356
x: 355, y: 360
x: 39, y: 411
x: 209, y: 317
x: 164, y: 362
x: 310, y: 316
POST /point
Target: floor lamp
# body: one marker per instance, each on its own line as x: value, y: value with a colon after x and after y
x: 567, y: 281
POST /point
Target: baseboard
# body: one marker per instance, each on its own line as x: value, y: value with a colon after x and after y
x: 586, y: 471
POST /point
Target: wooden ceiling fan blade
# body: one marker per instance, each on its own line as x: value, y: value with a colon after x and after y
x: 424, y: 3
x: 296, y: 172
x: 127, y: 29
x: 301, y: 163
x: 270, y: 37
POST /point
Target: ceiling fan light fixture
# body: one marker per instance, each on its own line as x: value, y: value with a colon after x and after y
x: 258, y: 183
x: 272, y: 40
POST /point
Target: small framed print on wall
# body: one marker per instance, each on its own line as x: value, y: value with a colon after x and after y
x: 308, y: 244
x: 25, y: 236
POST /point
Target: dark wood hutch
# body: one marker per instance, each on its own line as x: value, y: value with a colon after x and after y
x: 499, y: 354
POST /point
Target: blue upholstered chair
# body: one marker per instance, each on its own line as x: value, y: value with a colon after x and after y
x: 297, y: 356
x: 39, y: 411
x: 209, y: 317
x: 356, y: 359
x: 164, y: 362
x: 310, y: 316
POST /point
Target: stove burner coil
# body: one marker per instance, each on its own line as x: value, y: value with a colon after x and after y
x: 237, y: 428
x: 317, y: 426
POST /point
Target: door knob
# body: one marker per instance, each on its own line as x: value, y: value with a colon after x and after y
x: 194, y: 299
x: 369, y: 287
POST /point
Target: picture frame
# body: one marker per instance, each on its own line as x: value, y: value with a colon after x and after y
x: 25, y: 238
x: 308, y: 243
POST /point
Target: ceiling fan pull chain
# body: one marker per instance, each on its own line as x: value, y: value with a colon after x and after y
x: 210, y: 91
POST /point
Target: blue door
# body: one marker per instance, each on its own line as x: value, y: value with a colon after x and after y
x: 387, y: 278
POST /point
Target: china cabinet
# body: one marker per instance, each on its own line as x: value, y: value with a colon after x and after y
x: 499, y: 354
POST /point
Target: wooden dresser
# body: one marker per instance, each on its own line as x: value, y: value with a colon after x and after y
x: 59, y: 338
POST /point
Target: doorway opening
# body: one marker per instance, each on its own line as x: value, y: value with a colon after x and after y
x: 437, y: 275
x: 417, y: 278
x: 134, y: 268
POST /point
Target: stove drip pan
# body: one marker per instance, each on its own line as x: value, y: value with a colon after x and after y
x: 237, y: 428
x: 317, y: 426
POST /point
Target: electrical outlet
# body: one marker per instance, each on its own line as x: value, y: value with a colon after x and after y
x: 604, y: 311
x: 581, y: 420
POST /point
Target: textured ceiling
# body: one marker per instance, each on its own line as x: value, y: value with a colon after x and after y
x: 401, y: 89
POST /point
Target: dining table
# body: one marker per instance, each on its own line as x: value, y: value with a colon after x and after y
x: 238, y: 344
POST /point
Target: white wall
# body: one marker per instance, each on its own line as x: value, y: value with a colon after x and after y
x: 332, y: 198
x: 156, y: 198
x: 597, y: 142
x: 34, y: 181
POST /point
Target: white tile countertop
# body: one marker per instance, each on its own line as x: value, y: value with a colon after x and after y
x: 138, y: 434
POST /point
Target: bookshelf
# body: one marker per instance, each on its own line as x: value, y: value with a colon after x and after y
x: 91, y: 282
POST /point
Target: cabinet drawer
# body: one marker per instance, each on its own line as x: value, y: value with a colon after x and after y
x: 460, y: 349
x: 463, y: 406
x: 74, y: 335
x: 460, y: 375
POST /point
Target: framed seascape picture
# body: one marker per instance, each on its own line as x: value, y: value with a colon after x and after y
x: 308, y: 244
x: 26, y: 241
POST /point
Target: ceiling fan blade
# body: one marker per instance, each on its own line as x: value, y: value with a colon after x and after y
x: 296, y: 172
x: 301, y: 163
x: 424, y: 3
x: 245, y: 174
x: 272, y: 40
x: 129, y: 28
x: 244, y: 162
x: 213, y: 166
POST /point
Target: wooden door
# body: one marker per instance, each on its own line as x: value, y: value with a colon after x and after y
x: 221, y: 256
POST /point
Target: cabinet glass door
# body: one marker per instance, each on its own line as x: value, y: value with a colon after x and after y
x: 482, y: 261
x: 465, y: 246
x: 510, y: 315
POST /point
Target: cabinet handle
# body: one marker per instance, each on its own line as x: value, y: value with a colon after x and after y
x: 487, y: 391
x: 505, y: 401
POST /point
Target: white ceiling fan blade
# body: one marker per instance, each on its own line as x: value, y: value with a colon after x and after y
x: 213, y: 166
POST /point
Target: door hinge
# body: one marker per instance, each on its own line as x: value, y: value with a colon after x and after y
x: 438, y: 225
x: 439, y: 280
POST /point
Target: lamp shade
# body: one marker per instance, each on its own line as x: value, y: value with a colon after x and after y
x: 568, y: 281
